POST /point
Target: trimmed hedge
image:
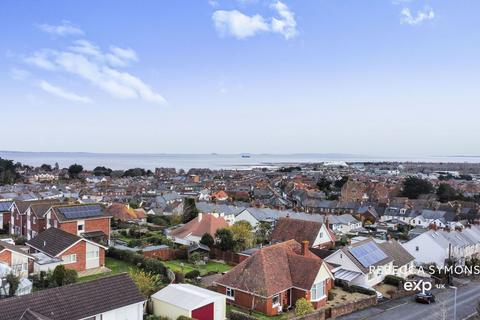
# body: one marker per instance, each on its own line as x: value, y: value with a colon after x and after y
x: 393, y: 280
x: 192, y: 274
x: 147, y: 264
x: 236, y: 315
x: 363, y: 290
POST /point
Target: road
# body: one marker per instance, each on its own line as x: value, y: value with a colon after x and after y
x: 406, y: 308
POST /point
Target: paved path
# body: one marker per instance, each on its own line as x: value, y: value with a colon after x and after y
x: 406, y: 308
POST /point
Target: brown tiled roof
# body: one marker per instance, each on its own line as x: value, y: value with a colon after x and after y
x: 39, y: 205
x: 40, y: 209
x: 397, y: 252
x: 299, y: 230
x: 125, y: 213
x: 204, y: 223
x: 32, y: 315
x: 53, y: 241
x: 73, y: 302
x: 274, y: 269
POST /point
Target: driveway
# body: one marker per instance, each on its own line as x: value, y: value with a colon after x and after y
x: 406, y: 308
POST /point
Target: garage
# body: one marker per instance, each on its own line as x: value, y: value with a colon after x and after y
x: 188, y: 300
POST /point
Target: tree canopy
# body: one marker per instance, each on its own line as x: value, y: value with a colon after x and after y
x: 243, y: 235
x: 102, y: 171
x: 74, y: 170
x: 413, y: 187
x: 190, y: 210
x: 8, y: 174
x: 224, y: 238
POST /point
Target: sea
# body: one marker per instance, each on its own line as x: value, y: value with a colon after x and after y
x: 122, y: 161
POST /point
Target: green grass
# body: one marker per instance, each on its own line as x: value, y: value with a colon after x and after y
x: 256, y: 314
x: 176, y: 265
x: 117, y: 266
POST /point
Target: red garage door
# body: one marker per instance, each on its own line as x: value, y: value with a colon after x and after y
x: 203, y: 313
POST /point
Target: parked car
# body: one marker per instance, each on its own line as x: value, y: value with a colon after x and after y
x: 425, y: 297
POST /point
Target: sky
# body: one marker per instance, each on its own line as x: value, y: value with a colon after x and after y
x: 379, y: 77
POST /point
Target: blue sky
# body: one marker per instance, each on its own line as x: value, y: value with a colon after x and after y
x: 381, y: 77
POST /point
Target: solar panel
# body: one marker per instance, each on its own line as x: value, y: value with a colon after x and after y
x: 368, y: 254
x: 79, y: 212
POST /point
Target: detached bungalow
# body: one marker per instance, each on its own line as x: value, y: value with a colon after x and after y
x: 20, y: 261
x: 192, y: 231
x: 275, y: 277
x: 317, y: 234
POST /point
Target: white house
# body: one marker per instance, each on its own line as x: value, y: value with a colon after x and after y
x: 363, y: 263
x: 190, y: 301
x: 109, y: 298
x: 436, y: 246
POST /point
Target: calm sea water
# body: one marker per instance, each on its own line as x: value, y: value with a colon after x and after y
x: 118, y: 161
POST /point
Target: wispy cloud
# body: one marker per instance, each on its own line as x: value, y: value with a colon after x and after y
x: 407, y: 17
x: 64, y: 29
x: 19, y: 74
x: 101, y: 69
x: 239, y: 25
x: 62, y: 93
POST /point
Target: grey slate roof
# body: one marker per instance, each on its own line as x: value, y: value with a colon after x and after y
x: 73, y: 302
x: 53, y: 241
x: 5, y: 206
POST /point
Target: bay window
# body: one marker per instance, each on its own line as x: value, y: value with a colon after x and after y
x: 318, y: 291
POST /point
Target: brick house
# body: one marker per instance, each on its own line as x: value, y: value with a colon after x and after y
x: 28, y: 217
x: 20, y: 261
x: 88, y: 221
x: 55, y: 246
x: 317, y: 234
x: 275, y: 277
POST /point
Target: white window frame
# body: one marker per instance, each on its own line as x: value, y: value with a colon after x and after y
x: 72, y: 258
x: 275, y: 297
x: 230, y: 293
x: 314, y: 291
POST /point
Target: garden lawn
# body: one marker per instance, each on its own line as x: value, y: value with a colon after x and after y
x: 117, y: 266
x: 176, y: 265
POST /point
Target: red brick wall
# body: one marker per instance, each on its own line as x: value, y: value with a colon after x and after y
x: 80, y: 249
x: 244, y: 300
x: 70, y: 227
x: 6, y: 257
x: 98, y: 224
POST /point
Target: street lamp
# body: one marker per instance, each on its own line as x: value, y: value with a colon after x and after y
x: 454, y: 303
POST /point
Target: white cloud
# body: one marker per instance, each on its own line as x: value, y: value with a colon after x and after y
x: 88, y: 62
x: 407, y: 17
x: 62, y: 93
x: 239, y: 25
x: 287, y: 24
x: 66, y: 28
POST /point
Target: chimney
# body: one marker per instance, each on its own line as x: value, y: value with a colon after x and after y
x: 304, y: 247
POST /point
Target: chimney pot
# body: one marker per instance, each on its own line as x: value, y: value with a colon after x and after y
x: 305, y: 244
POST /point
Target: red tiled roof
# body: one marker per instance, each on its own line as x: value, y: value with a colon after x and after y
x: 274, y: 269
x: 204, y: 223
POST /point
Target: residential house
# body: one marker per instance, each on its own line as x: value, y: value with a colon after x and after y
x: 190, y: 301
x: 6, y: 210
x: 192, y: 231
x: 28, y: 217
x: 439, y: 218
x: 88, y: 221
x: 436, y: 246
x: 107, y: 298
x: 55, y: 246
x: 403, y: 261
x: 343, y: 224
x: 363, y: 263
x: 317, y: 234
x: 20, y: 261
x: 124, y: 212
x: 275, y: 277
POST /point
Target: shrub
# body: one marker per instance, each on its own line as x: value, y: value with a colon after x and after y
x: 235, y: 315
x: 148, y: 264
x: 331, y: 296
x: 192, y: 274
x: 303, y: 307
x: 184, y: 318
x: 394, y: 280
x: 179, y: 277
x: 152, y: 317
x: 363, y: 290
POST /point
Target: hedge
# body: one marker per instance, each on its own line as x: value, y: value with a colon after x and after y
x: 147, y: 264
x: 393, y: 280
x: 363, y: 290
x: 235, y: 315
x: 192, y: 274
